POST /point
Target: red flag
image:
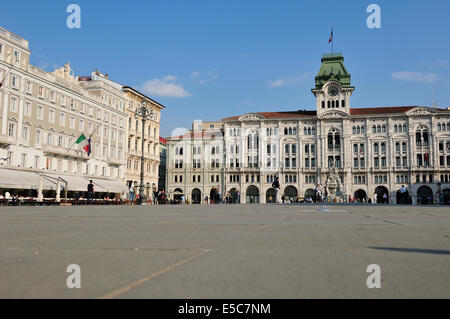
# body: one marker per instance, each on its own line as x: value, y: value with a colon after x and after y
x: 331, y: 37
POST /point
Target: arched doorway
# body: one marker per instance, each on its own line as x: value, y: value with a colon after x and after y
x: 271, y: 196
x: 403, y: 198
x: 360, y: 196
x: 310, y: 195
x: 177, y: 193
x: 252, y: 195
x: 424, y: 196
x: 234, y: 196
x: 290, y: 193
x: 196, y: 196
x: 381, y: 191
x: 446, y: 193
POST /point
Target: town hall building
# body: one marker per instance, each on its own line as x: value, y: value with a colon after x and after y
x: 372, y: 150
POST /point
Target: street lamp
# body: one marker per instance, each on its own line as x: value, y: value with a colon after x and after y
x: 146, y: 114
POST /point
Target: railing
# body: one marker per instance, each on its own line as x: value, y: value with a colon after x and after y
x: 9, y: 35
x: 9, y: 140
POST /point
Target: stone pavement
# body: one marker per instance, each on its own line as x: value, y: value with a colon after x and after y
x: 225, y: 251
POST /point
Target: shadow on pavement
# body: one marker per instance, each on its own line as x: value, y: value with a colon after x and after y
x: 414, y: 250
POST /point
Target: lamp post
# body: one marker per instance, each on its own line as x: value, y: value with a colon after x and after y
x: 145, y: 114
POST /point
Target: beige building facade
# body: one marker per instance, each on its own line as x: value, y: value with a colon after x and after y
x: 375, y: 150
x: 42, y: 114
x: 135, y: 134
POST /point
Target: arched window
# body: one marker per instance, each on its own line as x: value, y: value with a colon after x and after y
x: 343, y: 103
x: 354, y: 129
x: 328, y: 104
x: 337, y: 141
x: 285, y: 131
x: 323, y: 104
x: 332, y: 104
x: 395, y: 128
x: 418, y: 138
x: 384, y: 128
x: 425, y: 138
x: 330, y: 141
x: 337, y: 103
x: 378, y: 128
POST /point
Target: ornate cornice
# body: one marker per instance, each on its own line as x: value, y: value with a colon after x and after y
x: 251, y: 117
x: 333, y: 115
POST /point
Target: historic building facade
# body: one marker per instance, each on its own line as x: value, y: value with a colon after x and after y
x: 43, y: 114
x: 374, y: 150
x: 195, y: 164
x: 135, y: 134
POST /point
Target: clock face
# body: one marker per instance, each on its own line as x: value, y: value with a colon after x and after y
x: 333, y: 90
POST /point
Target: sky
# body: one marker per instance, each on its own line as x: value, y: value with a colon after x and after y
x: 210, y: 59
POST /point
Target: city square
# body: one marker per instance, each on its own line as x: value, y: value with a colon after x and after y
x: 225, y: 251
x: 178, y: 151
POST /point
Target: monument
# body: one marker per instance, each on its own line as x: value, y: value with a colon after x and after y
x: 334, y: 185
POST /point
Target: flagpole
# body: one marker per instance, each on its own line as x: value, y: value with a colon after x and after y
x: 332, y: 41
x: 89, y: 135
x: 7, y: 73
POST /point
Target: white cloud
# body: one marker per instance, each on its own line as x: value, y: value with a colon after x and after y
x: 291, y: 80
x: 203, y: 78
x: 194, y: 75
x: 415, y: 77
x: 165, y: 87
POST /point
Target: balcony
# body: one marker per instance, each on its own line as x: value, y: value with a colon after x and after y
x: 56, y: 150
x: 7, y: 140
x: 115, y: 161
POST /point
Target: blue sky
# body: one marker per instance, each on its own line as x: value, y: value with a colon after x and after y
x: 212, y: 59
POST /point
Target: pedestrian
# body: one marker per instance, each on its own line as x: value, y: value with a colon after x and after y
x: 77, y: 197
x: 403, y: 194
x: 375, y: 198
x: 276, y: 186
x: 385, y: 198
x: 90, y: 189
x: 131, y: 192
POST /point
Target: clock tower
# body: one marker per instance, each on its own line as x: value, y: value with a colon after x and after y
x: 333, y: 89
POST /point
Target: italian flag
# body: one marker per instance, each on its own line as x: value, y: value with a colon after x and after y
x: 85, y: 144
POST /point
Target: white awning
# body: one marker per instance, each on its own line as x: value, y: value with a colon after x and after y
x: 23, y: 179
x: 109, y: 186
x: 75, y: 183
x: 18, y: 179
